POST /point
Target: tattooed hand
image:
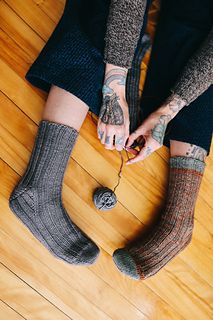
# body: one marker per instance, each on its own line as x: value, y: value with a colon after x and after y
x: 113, y: 123
x: 152, y: 130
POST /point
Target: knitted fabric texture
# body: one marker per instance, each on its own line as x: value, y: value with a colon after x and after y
x: 197, y: 76
x: 173, y: 232
x: 124, y: 24
x: 37, y: 202
x: 123, y: 30
x: 72, y: 59
x: 133, y: 82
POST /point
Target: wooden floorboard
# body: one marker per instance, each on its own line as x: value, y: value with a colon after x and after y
x: 34, y: 284
x: 8, y: 313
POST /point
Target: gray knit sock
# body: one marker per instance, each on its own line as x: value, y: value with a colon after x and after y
x: 37, y: 201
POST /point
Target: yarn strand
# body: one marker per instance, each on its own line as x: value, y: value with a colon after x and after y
x: 103, y: 197
x: 121, y: 156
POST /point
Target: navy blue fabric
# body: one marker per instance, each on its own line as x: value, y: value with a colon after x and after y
x: 72, y: 59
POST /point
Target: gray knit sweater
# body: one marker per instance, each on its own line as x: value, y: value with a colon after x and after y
x: 124, y: 24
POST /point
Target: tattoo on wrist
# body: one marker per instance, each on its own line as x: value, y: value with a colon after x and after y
x: 175, y: 103
x: 196, y: 152
x: 159, y: 129
x: 113, y: 75
x: 111, y: 111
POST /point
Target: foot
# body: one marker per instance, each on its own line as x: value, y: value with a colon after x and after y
x: 37, y: 201
x: 146, y: 256
x: 49, y: 222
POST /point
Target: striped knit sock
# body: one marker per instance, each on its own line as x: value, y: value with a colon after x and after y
x: 37, y: 201
x: 147, y: 255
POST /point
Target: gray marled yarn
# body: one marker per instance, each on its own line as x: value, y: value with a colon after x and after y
x: 124, y: 24
x: 104, y: 198
x: 37, y: 201
x: 197, y: 76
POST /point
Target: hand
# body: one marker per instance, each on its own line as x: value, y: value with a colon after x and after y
x: 113, y: 122
x: 152, y: 130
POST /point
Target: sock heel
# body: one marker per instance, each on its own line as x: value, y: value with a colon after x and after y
x: 20, y: 213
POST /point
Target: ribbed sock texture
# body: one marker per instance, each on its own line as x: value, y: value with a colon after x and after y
x: 173, y: 232
x: 37, y: 201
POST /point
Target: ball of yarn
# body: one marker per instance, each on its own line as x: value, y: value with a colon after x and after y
x: 104, y: 198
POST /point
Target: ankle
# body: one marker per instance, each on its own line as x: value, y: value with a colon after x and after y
x: 179, y: 148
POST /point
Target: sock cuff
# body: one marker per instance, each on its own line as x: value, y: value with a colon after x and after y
x: 181, y: 162
x: 47, y: 123
x: 61, y: 135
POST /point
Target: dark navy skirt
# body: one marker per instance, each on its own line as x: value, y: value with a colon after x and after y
x: 73, y: 60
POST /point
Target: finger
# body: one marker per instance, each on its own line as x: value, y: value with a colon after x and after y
x: 100, y: 133
x: 119, y: 142
x: 109, y: 140
x: 126, y: 136
x: 99, y: 125
x: 144, y: 153
x: 133, y: 136
x: 103, y: 135
x: 141, y: 141
x: 132, y: 151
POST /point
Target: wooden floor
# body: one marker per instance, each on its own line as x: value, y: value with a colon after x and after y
x: 36, y: 286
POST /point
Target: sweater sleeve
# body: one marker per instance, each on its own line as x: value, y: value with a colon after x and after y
x: 197, y: 75
x: 124, y: 23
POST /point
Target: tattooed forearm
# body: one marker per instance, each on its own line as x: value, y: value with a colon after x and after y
x: 113, y: 75
x: 106, y: 89
x: 196, y: 152
x: 115, y: 70
x: 175, y: 103
x: 111, y: 111
x: 169, y: 109
x: 159, y: 129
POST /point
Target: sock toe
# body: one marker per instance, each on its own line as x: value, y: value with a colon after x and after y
x: 89, y: 254
x: 93, y: 254
x: 125, y: 263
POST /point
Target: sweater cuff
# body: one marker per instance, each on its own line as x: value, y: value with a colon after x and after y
x: 123, y: 29
x: 197, y: 75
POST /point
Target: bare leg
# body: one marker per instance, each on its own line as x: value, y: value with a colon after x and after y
x: 65, y: 108
x: 179, y: 148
